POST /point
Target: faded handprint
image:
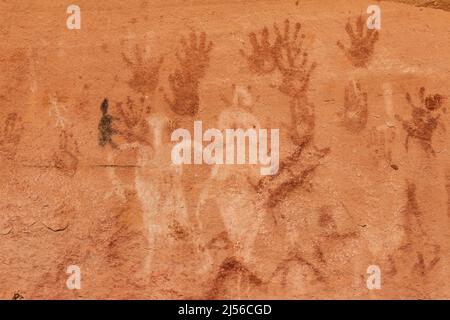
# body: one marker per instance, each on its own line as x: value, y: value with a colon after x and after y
x: 424, y: 119
x: 66, y: 158
x: 131, y: 123
x: 361, y: 45
x: 262, y: 58
x: 11, y: 135
x: 145, y: 72
x: 132, y: 120
x: 377, y: 145
x: 185, y: 81
x: 354, y: 117
x: 196, y: 55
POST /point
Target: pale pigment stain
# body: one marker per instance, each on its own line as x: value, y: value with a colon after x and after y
x: 32, y: 78
x: 158, y: 188
x: 119, y: 187
x: 34, y: 86
x: 129, y: 39
x: 57, y: 110
x: 241, y: 216
x: 388, y: 105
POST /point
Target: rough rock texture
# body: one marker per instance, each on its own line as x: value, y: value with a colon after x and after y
x: 86, y: 176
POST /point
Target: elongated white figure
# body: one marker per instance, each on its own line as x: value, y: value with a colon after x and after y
x: 158, y: 187
x: 238, y: 209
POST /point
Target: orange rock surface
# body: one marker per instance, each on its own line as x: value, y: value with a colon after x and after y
x: 86, y: 176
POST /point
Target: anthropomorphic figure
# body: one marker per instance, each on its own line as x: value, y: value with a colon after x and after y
x: 105, y: 127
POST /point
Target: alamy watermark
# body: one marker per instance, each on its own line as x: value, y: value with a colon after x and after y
x: 374, y: 19
x: 74, y: 280
x: 374, y: 278
x: 74, y: 20
x: 229, y: 147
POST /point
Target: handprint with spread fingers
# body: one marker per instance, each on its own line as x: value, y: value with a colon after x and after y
x: 292, y: 61
x: 185, y: 81
x: 132, y: 120
x: 288, y: 46
x: 195, y: 57
x: 11, y: 136
x: 288, y: 56
x: 262, y: 58
x: 145, y: 71
x: 361, y: 43
x: 296, y: 72
x: 424, y: 119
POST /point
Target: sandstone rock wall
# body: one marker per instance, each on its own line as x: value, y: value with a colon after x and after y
x: 86, y: 176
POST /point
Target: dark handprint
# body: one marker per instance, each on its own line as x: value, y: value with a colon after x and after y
x: 145, y: 72
x: 262, y: 58
x: 288, y: 50
x: 424, y: 119
x: 195, y: 58
x: 10, y: 138
x: 185, y: 81
x: 361, y: 45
